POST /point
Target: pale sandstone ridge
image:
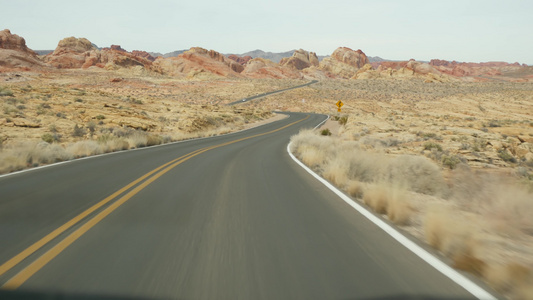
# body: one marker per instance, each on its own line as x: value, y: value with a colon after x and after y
x: 402, y: 70
x: 197, y: 61
x: 300, y: 60
x: 75, y: 53
x: 475, y: 69
x: 344, y: 62
x: 264, y: 68
x: 14, y: 54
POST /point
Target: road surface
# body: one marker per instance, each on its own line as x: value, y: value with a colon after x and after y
x: 231, y: 217
x: 273, y: 92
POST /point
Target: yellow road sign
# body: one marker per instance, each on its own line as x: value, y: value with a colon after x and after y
x: 338, y: 109
x: 339, y: 104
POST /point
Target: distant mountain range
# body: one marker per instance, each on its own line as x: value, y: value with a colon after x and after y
x: 273, y: 56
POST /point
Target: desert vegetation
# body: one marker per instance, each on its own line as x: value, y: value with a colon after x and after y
x: 450, y: 163
x: 478, y: 217
x: 53, y: 117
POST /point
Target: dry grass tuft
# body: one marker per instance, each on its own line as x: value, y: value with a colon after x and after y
x: 469, y: 263
x: 336, y: 172
x: 355, y: 189
x: 389, y: 200
x: 376, y: 198
x: 507, y: 277
x: 451, y: 234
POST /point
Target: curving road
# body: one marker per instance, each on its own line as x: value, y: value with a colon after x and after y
x: 229, y: 217
x: 272, y: 93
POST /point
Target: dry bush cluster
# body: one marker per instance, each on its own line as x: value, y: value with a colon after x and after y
x: 474, y: 208
x: 380, y: 180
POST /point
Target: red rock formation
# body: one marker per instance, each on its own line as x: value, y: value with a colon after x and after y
x: 14, y: 42
x: 73, y: 53
x: 344, y: 62
x: 143, y: 54
x: 241, y: 60
x: 300, y: 60
x: 353, y: 58
x: 14, y: 54
x: 116, y: 48
x: 264, y: 68
x: 198, y: 60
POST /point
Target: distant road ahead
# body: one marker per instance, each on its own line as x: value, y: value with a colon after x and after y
x: 229, y: 217
x: 271, y: 93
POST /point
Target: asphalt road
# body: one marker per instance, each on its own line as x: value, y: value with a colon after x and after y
x: 237, y: 221
x: 271, y: 93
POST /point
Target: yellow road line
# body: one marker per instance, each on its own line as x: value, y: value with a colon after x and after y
x: 37, y: 245
x: 35, y: 266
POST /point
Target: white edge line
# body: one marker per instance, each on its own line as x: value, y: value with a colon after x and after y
x: 136, y: 149
x: 436, y: 263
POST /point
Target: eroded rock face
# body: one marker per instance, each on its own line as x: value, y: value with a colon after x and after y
x: 74, y: 53
x: 198, y: 60
x: 264, y: 68
x: 143, y: 54
x: 300, y: 60
x: 14, y: 42
x: 14, y: 54
x: 344, y: 62
x: 70, y: 53
x: 241, y: 60
x: 474, y: 69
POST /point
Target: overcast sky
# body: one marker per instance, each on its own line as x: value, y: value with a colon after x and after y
x: 474, y: 31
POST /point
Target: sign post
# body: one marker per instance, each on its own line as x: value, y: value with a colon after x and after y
x: 339, y: 104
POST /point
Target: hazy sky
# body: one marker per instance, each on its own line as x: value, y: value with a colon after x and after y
x: 478, y: 30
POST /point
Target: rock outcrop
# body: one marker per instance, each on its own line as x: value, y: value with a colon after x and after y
x: 264, y: 68
x: 463, y: 69
x: 300, y: 60
x: 143, y: 54
x: 70, y: 53
x: 198, y: 60
x: 14, y: 54
x: 401, y: 70
x: 74, y: 53
x: 344, y: 62
x: 243, y: 60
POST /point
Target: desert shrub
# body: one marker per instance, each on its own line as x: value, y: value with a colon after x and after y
x: 506, y: 156
x: 449, y: 233
x: 417, y: 174
x: 84, y: 148
x: 389, y: 200
x: 508, y: 276
x: 91, y: 126
x: 100, y: 117
x: 343, y: 120
x: 355, y: 189
x: 325, y: 132
x: 5, y: 92
x: 47, y: 137
x: 432, y: 145
x: 152, y: 140
x: 78, y: 131
x: 336, y: 172
x: 450, y: 161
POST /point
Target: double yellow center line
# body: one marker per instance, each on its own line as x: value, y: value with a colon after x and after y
x: 40, y: 262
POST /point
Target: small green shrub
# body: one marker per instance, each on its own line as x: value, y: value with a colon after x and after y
x: 47, y: 137
x: 4, y: 92
x: 506, y: 156
x: 100, y: 117
x: 431, y: 145
x: 343, y: 120
x: 325, y: 132
x: 450, y: 161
